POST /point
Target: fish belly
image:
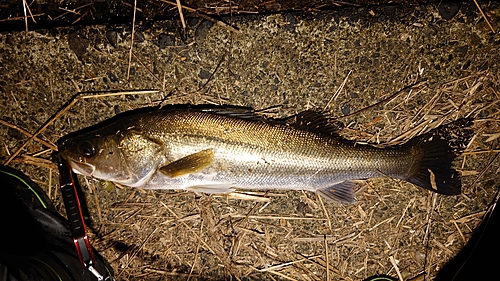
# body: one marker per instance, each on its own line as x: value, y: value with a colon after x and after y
x: 250, y: 170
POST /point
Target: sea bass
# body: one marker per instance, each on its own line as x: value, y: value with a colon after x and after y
x: 221, y: 149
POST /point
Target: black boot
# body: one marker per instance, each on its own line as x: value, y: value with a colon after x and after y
x: 35, y: 240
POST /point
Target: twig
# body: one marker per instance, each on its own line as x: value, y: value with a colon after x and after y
x: 196, y: 253
x: 382, y: 222
x: 326, y: 261
x: 271, y: 217
x: 189, y: 9
x: 474, y: 152
x: 192, y: 231
x: 318, y: 261
x: 459, y: 231
x: 287, y: 264
x: 282, y: 275
x: 136, y: 251
x: 179, y: 7
x: 147, y: 69
x: 25, y: 16
x: 218, y: 22
x: 404, y: 211
x: 131, y: 41
x: 395, y: 265
x: 71, y: 103
x: 70, y: 11
x: 326, y: 212
x: 21, y: 18
x: 427, y: 229
x: 163, y: 272
x: 213, y: 73
x: 484, y: 16
x: 429, y: 218
x: 40, y: 130
x: 73, y: 11
x: 481, y: 174
x: 334, y: 96
x: 80, y: 17
x: 31, y: 14
x: 40, y: 162
x: 26, y: 133
x: 384, y: 101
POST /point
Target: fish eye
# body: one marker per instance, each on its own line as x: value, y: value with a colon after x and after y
x: 87, y: 149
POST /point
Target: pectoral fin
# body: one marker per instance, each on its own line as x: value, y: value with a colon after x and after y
x: 340, y: 192
x: 190, y: 164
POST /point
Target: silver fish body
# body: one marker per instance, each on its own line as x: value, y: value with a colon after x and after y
x: 214, y: 151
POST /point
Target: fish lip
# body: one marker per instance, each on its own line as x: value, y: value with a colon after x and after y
x: 82, y: 168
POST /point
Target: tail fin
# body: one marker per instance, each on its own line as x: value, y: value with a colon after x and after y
x: 439, y: 148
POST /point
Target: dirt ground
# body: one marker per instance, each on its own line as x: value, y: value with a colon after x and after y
x: 342, y: 61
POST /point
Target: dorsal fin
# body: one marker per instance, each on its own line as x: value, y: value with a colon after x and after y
x: 308, y: 120
x: 233, y: 111
x: 315, y: 121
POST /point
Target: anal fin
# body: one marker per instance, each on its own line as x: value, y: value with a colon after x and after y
x: 340, y: 192
x: 189, y: 164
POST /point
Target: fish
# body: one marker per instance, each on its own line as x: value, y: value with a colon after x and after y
x: 216, y: 150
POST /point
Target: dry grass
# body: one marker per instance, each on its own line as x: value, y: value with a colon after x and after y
x: 394, y: 228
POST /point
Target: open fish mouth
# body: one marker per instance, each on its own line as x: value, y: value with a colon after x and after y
x: 85, y: 169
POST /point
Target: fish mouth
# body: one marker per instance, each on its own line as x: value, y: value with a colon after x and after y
x: 85, y: 169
